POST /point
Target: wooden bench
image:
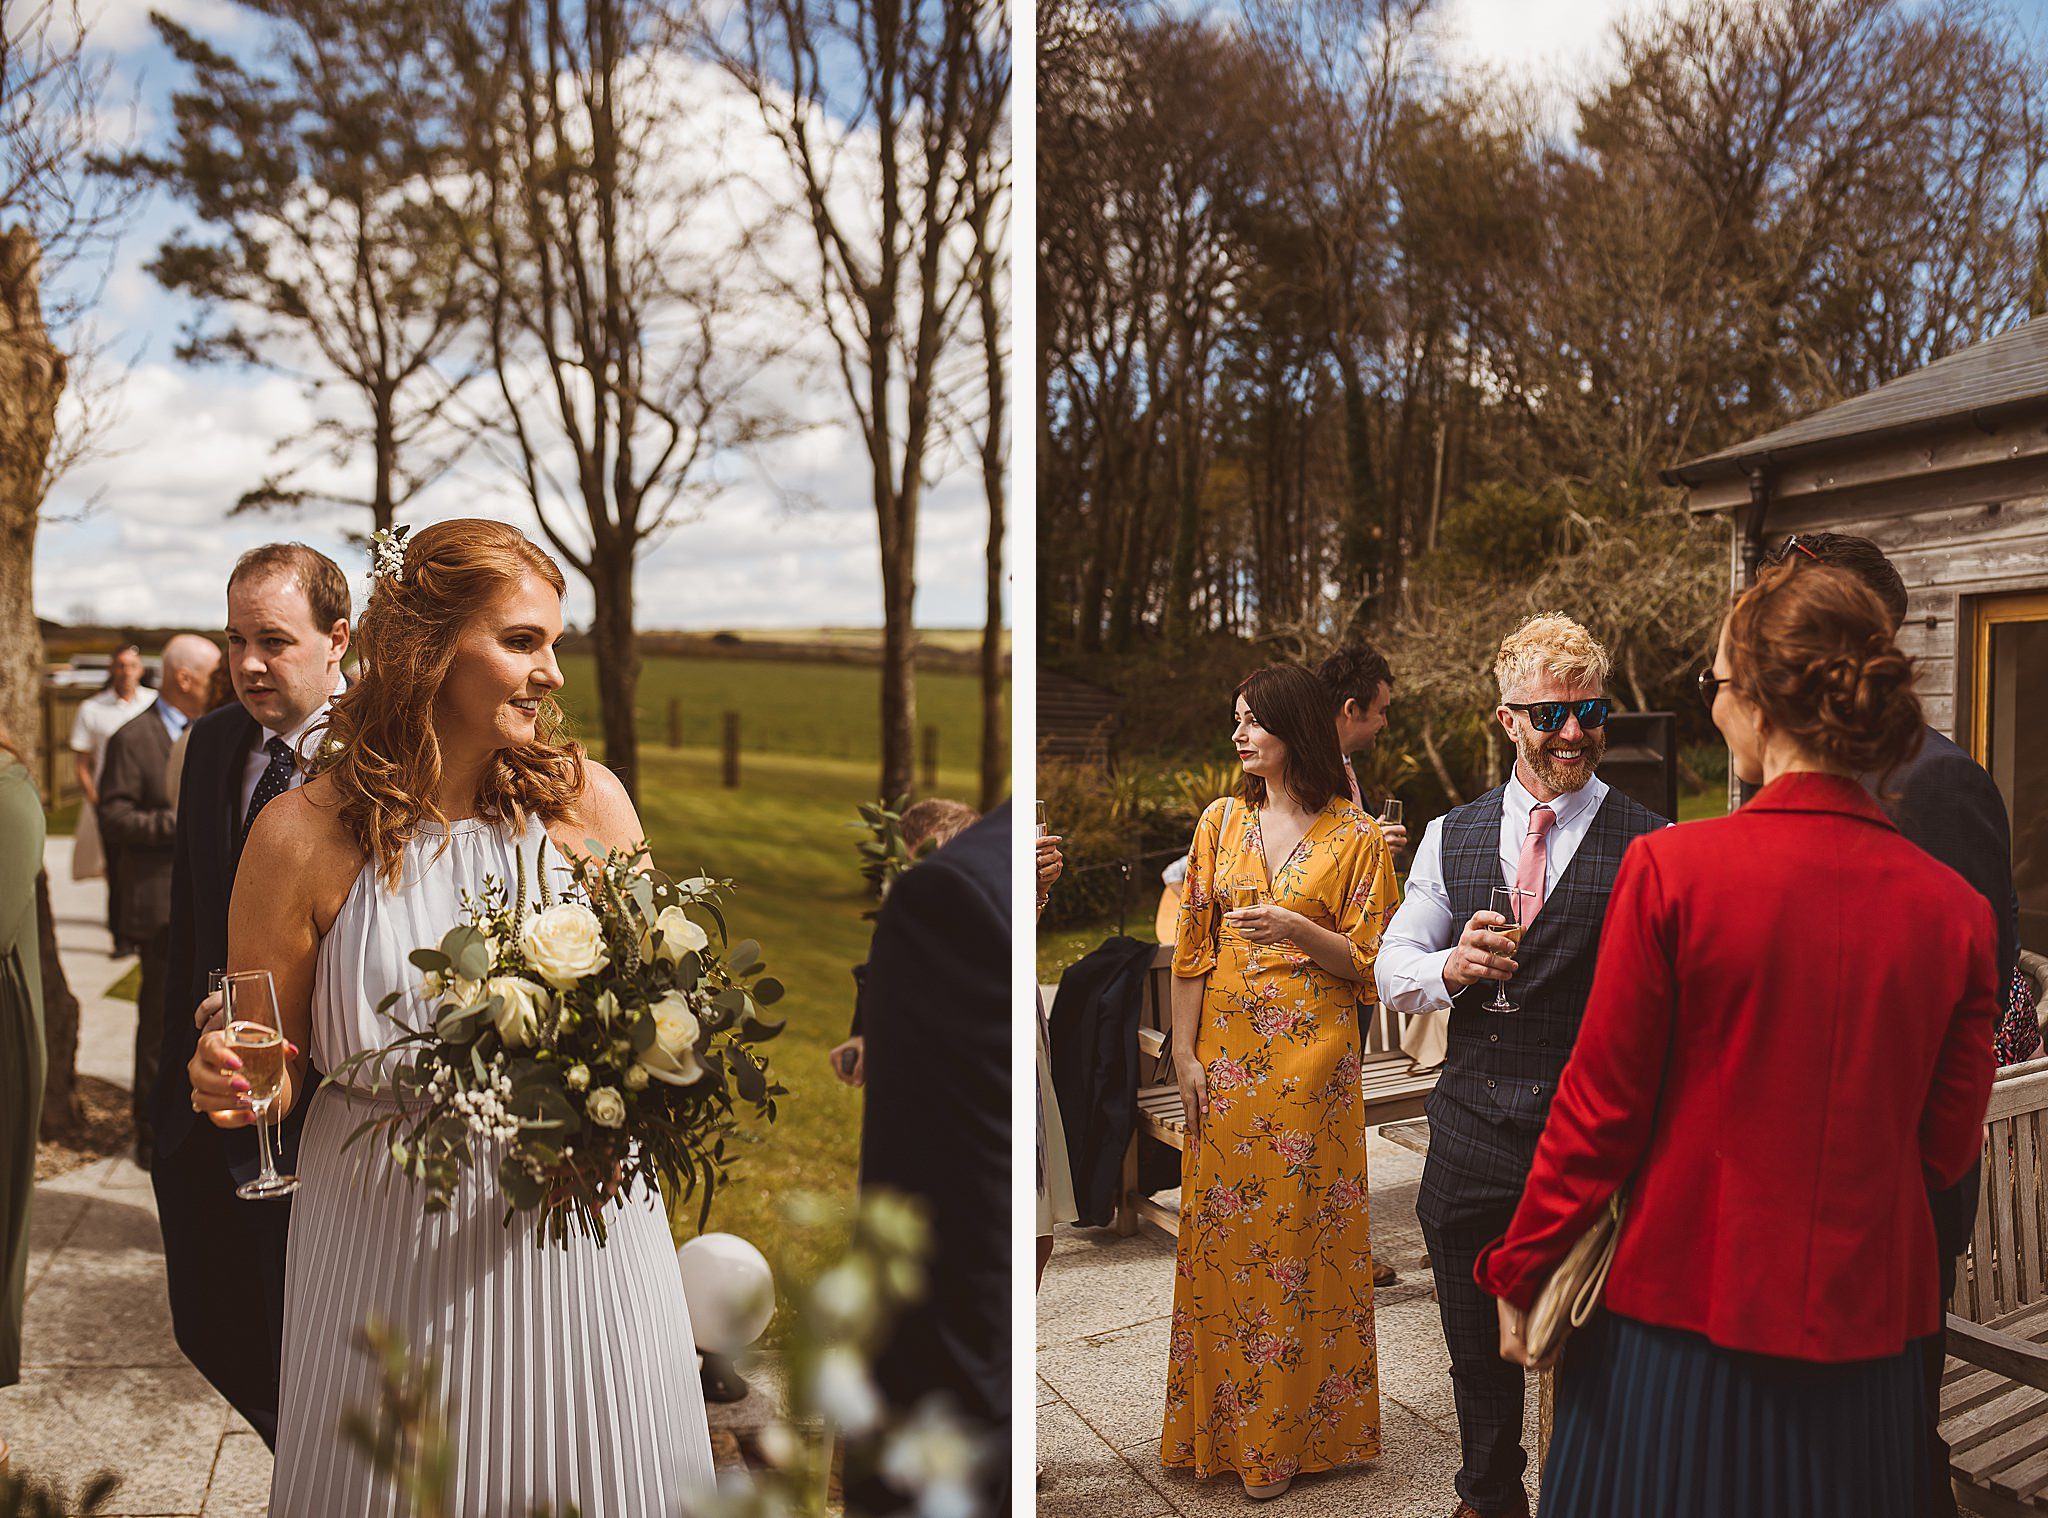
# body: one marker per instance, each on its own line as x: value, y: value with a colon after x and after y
x: 1994, y: 1393
x: 1392, y: 1087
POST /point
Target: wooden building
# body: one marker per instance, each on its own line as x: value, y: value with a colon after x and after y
x: 1946, y: 469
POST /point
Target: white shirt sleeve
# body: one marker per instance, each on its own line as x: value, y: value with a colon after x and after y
x: 1410, y: 969
x: 81, y: 728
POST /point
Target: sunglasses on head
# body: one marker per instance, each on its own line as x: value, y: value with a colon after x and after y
x: 1548, y: 716
x: 1785, y: 550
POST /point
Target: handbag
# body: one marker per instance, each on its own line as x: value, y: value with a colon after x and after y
x: 1573, y: 1290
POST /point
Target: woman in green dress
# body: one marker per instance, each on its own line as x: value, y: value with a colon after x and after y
x: 21, y: 1038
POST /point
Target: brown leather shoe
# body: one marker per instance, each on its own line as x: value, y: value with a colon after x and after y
x: 1383, y: 1274
x: 1465, y: 1509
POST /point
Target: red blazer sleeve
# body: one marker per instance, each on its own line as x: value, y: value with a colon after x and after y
x: 1599, y: 1122
x: 1951, y: 1124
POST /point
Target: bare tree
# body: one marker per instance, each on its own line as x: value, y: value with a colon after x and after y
x: 872, y: 103
x: 316, y: 177
x: 58, y: 226
x: 615, y: 324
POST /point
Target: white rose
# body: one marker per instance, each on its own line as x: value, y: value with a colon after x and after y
x: 521, y: 1007
x: 672, y: 1057
x: 432, y: 984
x: 564, y: 944
x: 577, y: 1078
x: 636, y: 1078
x: 606, y: 1107
x: 672, y: 935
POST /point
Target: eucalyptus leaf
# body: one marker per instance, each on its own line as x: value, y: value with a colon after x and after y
x: 519, y: 1186
x: 748, y: 1077
x: 642, y: 1031
x: 768, y: 992
x: 746, y: 954
x: 755, y: 1031
x: 731, y: 999
x: 458, y: 1026
x: 431, y: 960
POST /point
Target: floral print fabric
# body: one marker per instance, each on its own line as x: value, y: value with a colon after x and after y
x: 1273, y: 1366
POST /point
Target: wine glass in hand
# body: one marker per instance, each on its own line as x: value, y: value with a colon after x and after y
x: 1506, y: 903
x: 257, y: 1038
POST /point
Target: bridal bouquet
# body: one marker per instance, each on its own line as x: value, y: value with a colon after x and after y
x: 591, y: 1044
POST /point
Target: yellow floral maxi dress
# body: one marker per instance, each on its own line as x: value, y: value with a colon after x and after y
x: 1273, y: 1366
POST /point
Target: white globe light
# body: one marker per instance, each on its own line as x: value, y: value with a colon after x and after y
x: 730, y: 1290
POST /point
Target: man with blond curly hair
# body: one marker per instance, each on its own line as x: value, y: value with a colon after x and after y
x: 1555, y: 834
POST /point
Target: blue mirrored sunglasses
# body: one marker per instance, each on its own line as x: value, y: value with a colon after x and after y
x: 1548, y: 716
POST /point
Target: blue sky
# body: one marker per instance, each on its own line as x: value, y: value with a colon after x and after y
x: 141, y: 534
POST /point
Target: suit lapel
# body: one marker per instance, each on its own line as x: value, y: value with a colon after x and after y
x: 231, y: 793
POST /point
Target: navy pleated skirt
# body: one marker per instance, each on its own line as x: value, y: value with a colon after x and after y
x: 1655, y: 1420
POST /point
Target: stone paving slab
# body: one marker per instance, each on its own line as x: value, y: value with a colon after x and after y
x: 1103, y: 1316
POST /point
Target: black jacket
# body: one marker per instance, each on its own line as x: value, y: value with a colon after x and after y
x: 937, y: 1015
x: 1093, y: 1032
x: 207, y: 848
x: 136, y: 821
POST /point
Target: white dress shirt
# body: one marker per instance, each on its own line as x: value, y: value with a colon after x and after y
x: 1410, y: 969
x: 259, y: 756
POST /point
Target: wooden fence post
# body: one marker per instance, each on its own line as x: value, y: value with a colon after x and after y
x: 732, y: 751
x: 930, y: 783
x: 50, y: 746
x: 675, y: 721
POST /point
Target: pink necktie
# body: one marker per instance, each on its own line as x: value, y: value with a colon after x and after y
x: 1535, y: 860
x: 1351, y: 779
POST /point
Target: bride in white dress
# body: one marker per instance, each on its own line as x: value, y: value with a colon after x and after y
x: 568, y: 1374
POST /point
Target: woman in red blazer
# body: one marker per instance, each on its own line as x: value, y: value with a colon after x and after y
x: 1789, y: 1033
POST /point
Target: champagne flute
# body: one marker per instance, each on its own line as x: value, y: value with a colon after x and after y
x: 1505, y: 902
x: 1390, y: 809
x: 257, y: 1037
x: 1042, y: 828
x: 1239, y: 895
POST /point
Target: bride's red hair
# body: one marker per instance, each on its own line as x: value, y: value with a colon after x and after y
x: 381, y: 748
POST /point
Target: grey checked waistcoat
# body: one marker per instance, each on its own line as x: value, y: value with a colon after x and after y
x: 1505, y: 1065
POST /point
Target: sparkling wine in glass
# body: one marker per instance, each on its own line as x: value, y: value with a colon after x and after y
x: 257, y: 1037
x: 1506, y: 902
x: 1042, y: 828
x: 1390, y: 809
x: 1239, y: 895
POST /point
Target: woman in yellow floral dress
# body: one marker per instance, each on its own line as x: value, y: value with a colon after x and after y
x: 1273, y: 1367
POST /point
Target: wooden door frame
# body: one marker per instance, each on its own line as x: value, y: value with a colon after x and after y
x: 1997, y: 609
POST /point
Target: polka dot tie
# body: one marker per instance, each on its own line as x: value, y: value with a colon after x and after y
x: 273, y: 783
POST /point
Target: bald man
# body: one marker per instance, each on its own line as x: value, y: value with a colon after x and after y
x: 139, y: 824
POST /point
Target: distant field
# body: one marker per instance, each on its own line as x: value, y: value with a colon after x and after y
x: 784, y: 837
x: 830, y: 710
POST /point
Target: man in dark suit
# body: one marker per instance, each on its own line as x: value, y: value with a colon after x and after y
x: 1948, y: 804
x: 137, y: 822
x: 288, y: 628
x: 936, y: 1128
x: 1556, y: 831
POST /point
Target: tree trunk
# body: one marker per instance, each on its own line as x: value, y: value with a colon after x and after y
x: 899, y: 670
x: 384, y: 444
x: 1359, y: 549
x: 32, y: 375
x: 994, y: 730
x: 618, y: 661
x: 60, y: 1024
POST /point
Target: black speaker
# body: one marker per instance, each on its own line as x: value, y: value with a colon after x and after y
x: 1642, y: 759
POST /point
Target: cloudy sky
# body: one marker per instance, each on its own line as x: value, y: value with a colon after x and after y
x: 142, y: 535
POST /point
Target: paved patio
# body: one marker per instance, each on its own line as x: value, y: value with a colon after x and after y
x: 1103, y: 1315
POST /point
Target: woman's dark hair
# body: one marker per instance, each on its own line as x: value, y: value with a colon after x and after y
x: 1812, y: 646
x: 1294, y: 706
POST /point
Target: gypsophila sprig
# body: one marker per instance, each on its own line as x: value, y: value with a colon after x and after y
x: 607, y: 1038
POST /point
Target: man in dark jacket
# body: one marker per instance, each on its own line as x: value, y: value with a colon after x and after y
x: 287, y: 631
x: 137, y: 822
x: 937, y: 1016
x: 1948, y: 804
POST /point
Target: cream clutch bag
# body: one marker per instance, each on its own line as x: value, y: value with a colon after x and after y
x: 1573, y: 1290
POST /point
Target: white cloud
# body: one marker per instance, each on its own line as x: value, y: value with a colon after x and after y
x: 1534, y: 41
x: 157, y: 544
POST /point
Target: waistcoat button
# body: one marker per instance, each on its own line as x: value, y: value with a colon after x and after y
x: 1535, y: 1090
x: 1493, y: 1038
x: 1489, y: 1085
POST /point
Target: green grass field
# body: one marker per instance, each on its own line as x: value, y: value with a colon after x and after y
x: 783, y: 836
x: 832, y: 710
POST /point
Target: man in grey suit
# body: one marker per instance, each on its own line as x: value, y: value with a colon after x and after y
x: 138, y: 824
x: 1948, y: 804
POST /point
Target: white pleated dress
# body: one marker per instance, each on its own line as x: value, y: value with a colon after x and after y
x: 570, y: 1375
